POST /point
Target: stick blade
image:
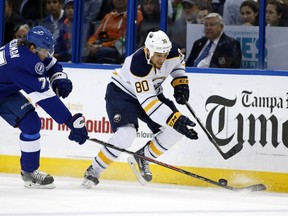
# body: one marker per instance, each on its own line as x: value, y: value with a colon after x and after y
x: 257, y: 187
x: 252, y: 188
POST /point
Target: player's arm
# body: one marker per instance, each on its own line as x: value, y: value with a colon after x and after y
x: 180, y: 81
x: 38, y: 90
x: 160, y: 112
x: 142, y: 80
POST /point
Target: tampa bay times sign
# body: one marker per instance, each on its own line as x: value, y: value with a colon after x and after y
x: 250, y: 111
x: 248, y: 127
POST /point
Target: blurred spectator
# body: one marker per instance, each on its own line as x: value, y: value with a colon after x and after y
x: 22, y: 31
x: 231, y: 12
x: 94, y: 12
x: 107, y: 44
x: 13, y: 21
x: 179, y: 30
x: 55, y: 20
x: 204, y: 3
x: 276, y: 13
x: 33, y: 11
x: 63, y: 47
x: 215, y: 49
x: 202, y: 13
x: 170, y: 8
x: 150, y: 10
x: 218, y: 6
x: 105, y: 8
x: 177, y: 9
x: 249, y: 11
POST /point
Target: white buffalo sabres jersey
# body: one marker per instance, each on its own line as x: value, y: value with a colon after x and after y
x: 144, y: 82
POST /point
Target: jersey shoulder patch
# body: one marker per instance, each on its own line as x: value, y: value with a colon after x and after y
x: 39, y: 68
x: 139, y: 66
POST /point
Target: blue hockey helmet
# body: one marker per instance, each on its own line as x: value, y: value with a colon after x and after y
x: 42, y: 38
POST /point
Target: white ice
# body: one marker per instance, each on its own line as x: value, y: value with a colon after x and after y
x: 111, y: 198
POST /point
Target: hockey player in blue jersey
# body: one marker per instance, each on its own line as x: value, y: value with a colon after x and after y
x: 135, y: 92
x: 27, y: 65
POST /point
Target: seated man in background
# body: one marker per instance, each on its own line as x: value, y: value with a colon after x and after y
x: 107, y: 44
x: 215, y: 49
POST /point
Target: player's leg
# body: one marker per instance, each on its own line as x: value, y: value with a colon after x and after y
x: 18, y: 112
x: 163, y: 139
x: 122, y: 113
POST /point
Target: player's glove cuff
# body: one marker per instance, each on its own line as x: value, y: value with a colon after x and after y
x: 58, y: 75
x: 180, y: 81
x: 173, y: 118
x: 181, y: 89
x: 61, y: 85
x: 182, y: 124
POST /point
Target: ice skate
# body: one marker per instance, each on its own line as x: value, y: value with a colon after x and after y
x: 90, y: 178
x: 37, y: 179
x: 143, y: 166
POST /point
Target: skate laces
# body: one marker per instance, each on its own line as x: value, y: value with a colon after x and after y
x: 146, y: 166
x: 39, y: 175
x: 144, y: 163
x: 92, y: 172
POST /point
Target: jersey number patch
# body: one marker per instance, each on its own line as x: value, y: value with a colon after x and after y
x: 43, y: 82
x: 142, y: 86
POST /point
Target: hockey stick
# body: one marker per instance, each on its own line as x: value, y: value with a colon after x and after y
x: 256, y: 187
x: 234, y: 150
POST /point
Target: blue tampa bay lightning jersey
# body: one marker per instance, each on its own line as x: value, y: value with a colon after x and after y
x: 21, y: 69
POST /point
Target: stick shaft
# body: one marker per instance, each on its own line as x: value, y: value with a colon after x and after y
x: 202, y: 178
x: 234, y: 150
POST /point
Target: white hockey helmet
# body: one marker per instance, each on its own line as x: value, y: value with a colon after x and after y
x: 158, y: 42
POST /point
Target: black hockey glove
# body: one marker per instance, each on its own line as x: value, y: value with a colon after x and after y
x: 61, y: 85
x: 78, y: 131
x: 181, y: 123
x: 181, y: 89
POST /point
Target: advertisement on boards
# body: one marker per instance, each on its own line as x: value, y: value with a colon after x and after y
x: 246, y: 111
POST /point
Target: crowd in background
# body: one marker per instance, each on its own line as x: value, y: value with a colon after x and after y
x: 104, y: 22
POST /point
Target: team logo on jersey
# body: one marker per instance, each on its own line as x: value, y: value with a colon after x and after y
x: 117, y: 118
x: 222, y: 60
x: 39, y: 68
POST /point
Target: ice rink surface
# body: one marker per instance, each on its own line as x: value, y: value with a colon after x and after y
x: 111, y: 198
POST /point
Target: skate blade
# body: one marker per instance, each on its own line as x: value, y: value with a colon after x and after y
x: 86, y: 183
x: 37, y: 186
x: 133, y: 164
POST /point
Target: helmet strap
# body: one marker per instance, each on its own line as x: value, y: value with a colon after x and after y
x: 148, y: 55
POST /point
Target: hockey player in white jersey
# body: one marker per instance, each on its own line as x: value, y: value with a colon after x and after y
x: 28, y: 65
x: 135, y: 92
